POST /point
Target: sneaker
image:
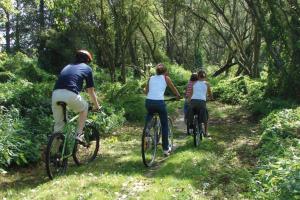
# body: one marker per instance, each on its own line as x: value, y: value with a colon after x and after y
x: 80, y: 138
x: 167, y: 152
x: 206, y: 135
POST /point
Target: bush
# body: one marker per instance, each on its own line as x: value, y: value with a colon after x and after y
x: 278, y: 171
x: 179, y: 76
x: 232, y: 91
x: 128, y: 97
x: 249, y: 93
x: 6, y: 76
x: 16, y: 144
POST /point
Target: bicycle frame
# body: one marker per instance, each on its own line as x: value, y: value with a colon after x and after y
x: 69, y: 137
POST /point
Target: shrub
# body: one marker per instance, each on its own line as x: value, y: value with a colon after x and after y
x: 278, y: 170
x: 16, y: 144
x: 232, y: 90
x: 6, y: 76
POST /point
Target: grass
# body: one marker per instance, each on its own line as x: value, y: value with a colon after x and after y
x: 219, y: 169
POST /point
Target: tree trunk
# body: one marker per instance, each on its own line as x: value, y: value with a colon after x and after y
x: 17, y: 32
x: 42, y: 42
x: 7, y: 32
x: 256, y: 50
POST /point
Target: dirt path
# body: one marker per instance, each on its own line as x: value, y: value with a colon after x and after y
x: 218, y: 169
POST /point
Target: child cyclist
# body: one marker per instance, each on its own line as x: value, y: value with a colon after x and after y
x: 198, y: 96
x: 193, y: 79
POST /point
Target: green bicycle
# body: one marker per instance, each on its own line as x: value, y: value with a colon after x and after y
x: 61, y: 146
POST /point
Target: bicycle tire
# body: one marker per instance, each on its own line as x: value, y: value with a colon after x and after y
x: 171, y: 133
x: 85, y: 152
x: 55, y: 165
x: 196, y: 132
x: 149, y: 141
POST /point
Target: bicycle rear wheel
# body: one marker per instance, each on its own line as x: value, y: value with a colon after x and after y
x: 56, y: 165
x: 149, y: 143
x: 86, y: 151
x: 171, y: 134
x: 197, y: 134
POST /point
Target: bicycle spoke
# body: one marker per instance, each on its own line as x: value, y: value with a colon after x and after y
x: 149, y: 145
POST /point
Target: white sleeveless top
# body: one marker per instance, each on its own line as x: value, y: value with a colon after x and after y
x: 157, y: 87
x: 199, y: 90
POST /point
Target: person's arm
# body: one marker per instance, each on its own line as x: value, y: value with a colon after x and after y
x: 191, y: 94
x: 93, y: 97
x: 209, y: 92
x: 172, y: 87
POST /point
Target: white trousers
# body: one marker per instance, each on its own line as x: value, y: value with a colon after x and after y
x: 73, y: 101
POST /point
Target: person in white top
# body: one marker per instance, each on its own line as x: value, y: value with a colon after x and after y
x: 155, y: 90
x: 197, y: 98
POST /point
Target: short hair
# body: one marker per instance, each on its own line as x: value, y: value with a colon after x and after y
x: 194, y: 77
x: 202, y: 74
x: 160, y: 69
x: 81, y: 57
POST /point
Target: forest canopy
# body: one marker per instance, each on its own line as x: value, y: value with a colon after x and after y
x: 249, y: 37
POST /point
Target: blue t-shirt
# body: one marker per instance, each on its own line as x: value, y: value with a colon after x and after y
x: 72, y: 76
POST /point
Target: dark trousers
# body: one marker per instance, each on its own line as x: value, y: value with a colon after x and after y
x: 197, y: 107
x: 159, y: 106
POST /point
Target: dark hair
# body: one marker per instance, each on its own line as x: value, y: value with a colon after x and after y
x: 201, y: 74
x: 81, y: 58
x: 160, y: 69
x: 194, y: 77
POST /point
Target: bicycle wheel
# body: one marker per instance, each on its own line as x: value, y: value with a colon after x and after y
x: 87, y: 150
x: 171, y: 134
x: 149, y: 144
x: 196, y: 131
x: 55, y: 164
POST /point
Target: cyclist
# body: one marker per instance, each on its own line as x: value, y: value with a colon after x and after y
x: 200, y: 90
x: 67, y: 89
x: 155, y: 90
x: 193, y: 79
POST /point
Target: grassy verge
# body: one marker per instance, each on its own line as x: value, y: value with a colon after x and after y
x: 219, y: 168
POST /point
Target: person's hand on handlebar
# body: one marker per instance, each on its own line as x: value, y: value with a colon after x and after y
x: 178, y: 97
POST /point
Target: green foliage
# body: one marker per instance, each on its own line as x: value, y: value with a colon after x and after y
x: 59, y: 51
x: 128, y: 97
x: 232, y: 91
x: 179, y: 76
x: 6, y: 76
x: 21, y: 66
x: 249, y: 93
x: 278, y: 171
x: 16, y: 143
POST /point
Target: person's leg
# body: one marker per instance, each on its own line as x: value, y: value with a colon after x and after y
x: 78, y: 104
x: 81, y: 121
x: 58, y: 118
x: 190, y: 115
x: 203, y: 116
x: 163, y: 115
x: 150, y: 111
x: 58, y: 114
x: 185, y: 110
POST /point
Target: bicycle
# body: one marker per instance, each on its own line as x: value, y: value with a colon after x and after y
x: 151, y: 137
x: 198, y: 130
x: 63, y: 145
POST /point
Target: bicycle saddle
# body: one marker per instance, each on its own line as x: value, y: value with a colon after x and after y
x: 61, y: 103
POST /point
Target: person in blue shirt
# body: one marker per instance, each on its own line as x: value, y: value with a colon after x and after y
x: 68, y: 87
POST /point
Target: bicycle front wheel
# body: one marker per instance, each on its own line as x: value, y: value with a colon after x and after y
x: 149, y: 144
x: 86, y: 151
x: 55, y: 163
